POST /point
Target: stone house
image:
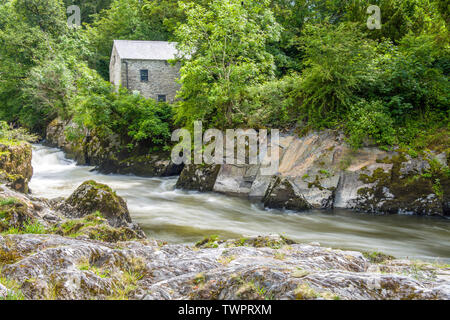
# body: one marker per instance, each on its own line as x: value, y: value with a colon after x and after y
x: 143, y: 66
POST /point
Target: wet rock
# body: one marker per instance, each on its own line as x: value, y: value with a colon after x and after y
x: 404, y: 188
x: 198, y: 177
x: 106, y: 152
x: 85, y: 146
x: 158, y: 165
x: 321, y: 171
x: 57, y: 136
x: 350, y: 184
x: 55, y: 267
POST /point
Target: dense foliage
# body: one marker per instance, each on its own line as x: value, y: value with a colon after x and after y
x: 225, y: 42
x: 262, y: 63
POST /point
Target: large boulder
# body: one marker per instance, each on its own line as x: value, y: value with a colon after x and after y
x: 23, y: 213
x: 14, y: 214
x: 57, y: 136
x: 86, y: 147
x: 198, y: 177
x: 92, y: 196
x: 282, y: 194
x: 321, y: 171
x: 236, y: 179
x: 404, y: 185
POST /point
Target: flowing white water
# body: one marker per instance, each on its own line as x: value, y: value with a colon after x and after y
x: 185, y: 217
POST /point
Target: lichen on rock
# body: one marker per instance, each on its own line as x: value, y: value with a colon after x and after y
x: 267, y: 267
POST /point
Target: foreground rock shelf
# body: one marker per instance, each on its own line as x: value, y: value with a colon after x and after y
x: 59, y: 250
x: 55, y: 267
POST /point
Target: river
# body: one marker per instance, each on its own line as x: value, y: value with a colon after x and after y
x: 185, y: 217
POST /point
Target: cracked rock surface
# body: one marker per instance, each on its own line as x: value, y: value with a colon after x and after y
x: 56, y: 267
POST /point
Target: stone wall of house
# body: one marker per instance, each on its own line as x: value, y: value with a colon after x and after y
x: 161, y: 78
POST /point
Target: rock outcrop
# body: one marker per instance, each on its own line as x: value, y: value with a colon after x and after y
x: 198, y: 177
x: 92, y: 196
x: 101, y: 215
x: 321, y: 171
x: 157, y: 165
x: 107, y: 153
x: 55, y: 267
x: 15, y: 165
x: 281, y: 194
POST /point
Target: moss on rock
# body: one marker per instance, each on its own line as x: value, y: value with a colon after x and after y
x: 95, y: 227
x: 274, y: 242
x: 92, y: 196
x: 14, y: 214
x: 421, y: 191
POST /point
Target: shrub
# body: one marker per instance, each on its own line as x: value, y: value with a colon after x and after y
x: 271, y: 104
x: 370, y: 119
x: 339, y: 65
x: 8, y: 134
x: 135, y: 119
x: 415, y: 77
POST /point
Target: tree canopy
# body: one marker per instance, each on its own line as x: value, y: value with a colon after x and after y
x: 304, y: 64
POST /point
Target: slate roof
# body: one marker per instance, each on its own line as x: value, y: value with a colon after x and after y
x: 146, y: 50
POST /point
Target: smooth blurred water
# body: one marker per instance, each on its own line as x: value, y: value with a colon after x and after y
x: 185, y: 217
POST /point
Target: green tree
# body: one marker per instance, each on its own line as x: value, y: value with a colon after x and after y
x: 88, y: 8
x: 38, y: 62
x: 22, y: 46
x: 414, y: 76
x: 140, y: 123
x: 48, y: 15
x: 339, y: 63
x: 398, y: 17
x: 226, y: 43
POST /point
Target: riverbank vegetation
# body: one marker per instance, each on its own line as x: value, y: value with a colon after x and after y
x: 303, y: 64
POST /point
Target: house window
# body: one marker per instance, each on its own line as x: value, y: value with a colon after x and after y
x: 144, y: 75
x: 162, y: 98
